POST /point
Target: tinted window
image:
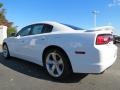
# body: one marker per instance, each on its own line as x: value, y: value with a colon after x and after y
x: 73, y: 27
x: 37, y: 29
x: 47, y: 28
x: 24, y: 32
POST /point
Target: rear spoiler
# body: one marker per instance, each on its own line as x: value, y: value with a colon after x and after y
x: 108, y: 29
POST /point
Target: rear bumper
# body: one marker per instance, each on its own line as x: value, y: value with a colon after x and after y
x: 95, y: 62
x: 93, y: 68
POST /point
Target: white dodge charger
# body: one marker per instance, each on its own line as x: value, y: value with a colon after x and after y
x: 62, y: 49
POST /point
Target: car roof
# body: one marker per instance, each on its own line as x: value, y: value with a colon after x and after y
x: 57, y: 26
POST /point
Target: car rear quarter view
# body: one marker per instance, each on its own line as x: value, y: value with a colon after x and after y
x: 63, y: 49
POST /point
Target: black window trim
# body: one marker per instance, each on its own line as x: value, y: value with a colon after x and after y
x: 31, y: 26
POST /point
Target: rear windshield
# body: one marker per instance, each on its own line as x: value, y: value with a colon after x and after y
x: 74, y: 27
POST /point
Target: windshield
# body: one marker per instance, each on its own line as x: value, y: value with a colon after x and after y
x: 73, y: 27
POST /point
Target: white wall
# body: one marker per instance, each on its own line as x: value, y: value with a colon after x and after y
x: 3, y: 33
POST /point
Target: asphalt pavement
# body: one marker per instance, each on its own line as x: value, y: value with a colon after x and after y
x: 16, y: 74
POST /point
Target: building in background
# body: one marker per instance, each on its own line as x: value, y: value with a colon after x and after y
x: 3, y: 33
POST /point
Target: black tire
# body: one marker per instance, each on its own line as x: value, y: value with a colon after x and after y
x: 67, y: 67
x: 5, y: 53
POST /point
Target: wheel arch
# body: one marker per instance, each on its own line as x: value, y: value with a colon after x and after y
x: 56, y: 47
x: 4, y: 44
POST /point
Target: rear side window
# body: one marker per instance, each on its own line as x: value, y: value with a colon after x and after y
x: 37, y: 29
x: 47, y: 28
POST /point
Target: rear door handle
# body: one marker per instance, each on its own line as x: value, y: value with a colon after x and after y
x: 22, y: 41
x: 43, y: 38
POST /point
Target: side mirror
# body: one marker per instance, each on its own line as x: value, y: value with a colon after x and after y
x: 13, y: 34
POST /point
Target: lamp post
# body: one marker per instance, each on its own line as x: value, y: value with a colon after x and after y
x: 95, y: 13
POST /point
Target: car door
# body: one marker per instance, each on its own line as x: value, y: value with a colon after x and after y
x: 30, y: 43
x: 36, y: 42
x: 20, y: 42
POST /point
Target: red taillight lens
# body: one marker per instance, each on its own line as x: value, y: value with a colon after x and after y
x: 103, y: 39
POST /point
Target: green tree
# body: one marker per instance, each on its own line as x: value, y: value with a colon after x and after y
x: 1, y: 5
x: 4, y: 21
x: 11, y: 30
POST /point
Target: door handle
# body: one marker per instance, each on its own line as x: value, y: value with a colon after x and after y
x: 22, y: 41
x: 43, y: 38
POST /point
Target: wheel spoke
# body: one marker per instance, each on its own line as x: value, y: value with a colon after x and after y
x: 58, y: 70
x: 60, y: 62
x: 54, y: 56
x: 53, y: 68
x: 50, y: 62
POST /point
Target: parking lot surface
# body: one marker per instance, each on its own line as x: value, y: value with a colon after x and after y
x: 16, y: 74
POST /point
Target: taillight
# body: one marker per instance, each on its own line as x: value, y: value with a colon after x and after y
x: 104, y: 39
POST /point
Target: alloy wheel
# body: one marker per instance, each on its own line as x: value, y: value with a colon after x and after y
x: 54, y: 64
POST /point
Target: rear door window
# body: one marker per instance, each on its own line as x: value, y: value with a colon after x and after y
x: 37, y: 29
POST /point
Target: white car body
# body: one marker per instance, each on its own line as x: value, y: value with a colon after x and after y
x: 80, y: 46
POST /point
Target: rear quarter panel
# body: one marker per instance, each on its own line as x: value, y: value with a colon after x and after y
x: 71, y: 42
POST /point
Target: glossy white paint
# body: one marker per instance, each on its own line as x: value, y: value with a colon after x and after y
x: 96, y: 59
